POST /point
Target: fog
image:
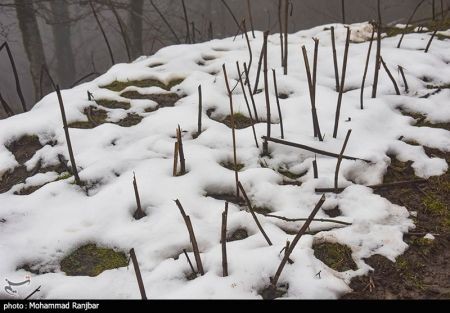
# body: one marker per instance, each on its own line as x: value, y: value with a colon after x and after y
x: 90, y: 53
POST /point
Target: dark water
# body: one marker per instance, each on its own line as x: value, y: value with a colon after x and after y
x: 89, y: 47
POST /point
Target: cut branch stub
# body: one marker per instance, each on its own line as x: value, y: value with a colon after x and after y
x: 338, y: 164
x: 139, y: 212
x: 224, y: 241
x: 138, y: 274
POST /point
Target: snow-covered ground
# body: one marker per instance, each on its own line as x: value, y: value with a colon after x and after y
x: 45, y: 226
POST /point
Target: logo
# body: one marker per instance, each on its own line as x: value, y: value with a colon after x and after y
x: 11, y: 286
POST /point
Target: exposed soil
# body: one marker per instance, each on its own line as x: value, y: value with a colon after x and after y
x: 238, y: 234
x: 335, y: 256
x: 112, y: 104
x: 98, y: 117
x: 23, y: 150
x: 423, y: 271
x: 119, y: 86
x: 163, y: 99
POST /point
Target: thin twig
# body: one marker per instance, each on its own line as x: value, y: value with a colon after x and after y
x: 322, y: 220
x: 341, y: 86
x: 31, y: 294
x: 278, y: 103
x: 166, y: 22
x: 402, y: 73
x: 230, y: 97
x: 249, y: 50
x: 189, y: 261
x: 336, y: 70
x: 83, y: 78
x: 266, y: 93
x: 138, y: 274
x: 16, y: 75
x: 6, y: 107
x: 224, y: 241
x: 66, y: 132
x: 343, y: 11
x: 286, y: 24
x: 397, y: 91
x: 232, y: 14
x: 125, y: 38
x: 253, y: 214
x: 408, y: 22
x: 188, y: 223
x: 339, y: 160
x: 250, y: 92
x: 300, y: 233
x: 246, y: 102
x: 258, y: 71
x: 315, y: 150
x: 250, y: 16
x: 280, y: 26
x: 103, y: 33
x: 188, y: 36
x: 366, y: 68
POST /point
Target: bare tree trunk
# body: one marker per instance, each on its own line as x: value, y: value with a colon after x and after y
x: 65, y: 64
x: 32, y: 42
x: 135, y: 25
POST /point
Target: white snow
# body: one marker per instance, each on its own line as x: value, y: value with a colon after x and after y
x: 45, y: 226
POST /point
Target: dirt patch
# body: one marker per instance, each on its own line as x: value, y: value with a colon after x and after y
x: 335, y: 256
x: 230, y: 165
x: 97, y: 117
x: 90, y: 260
x: 420, y: 120
x: 119, y: 86
x: 227, y: 197
x: 112, y: 104
x: 334, y: 212
x: 131, y: 120
x: 24, y: 148
x: 240, y: 121
x: 271, y: 293
x: 238, y: 234
x: 163, y: 99
x: 422, y: 272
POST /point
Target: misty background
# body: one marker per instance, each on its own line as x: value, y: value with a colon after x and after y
x: 64, y: 37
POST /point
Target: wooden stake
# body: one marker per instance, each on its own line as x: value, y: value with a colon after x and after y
x: 280, y: 26
x: 249, y: 9
x: 286, y: 26
x: 138, y: 274
x: 139, y: 212
x: 181, y: 152
x: 246, y: 102
x: 200, y: 110
x: 278, y: 103
x: 266, y: 93
x: 300, y: 233
x: 339, y: 160
x: 316, y: 172
x: 397, y: 91
x: 258, y: 72
x: 224, y: 241
x: 16, y: 75
x: 429, y: 42
x: 377, y: 63
x: 366, y: 68
x: 175, y: 159
x: 341, y: 89
x: 188, y: 223
x: 253, y: 214
x: 315, y: 119
x: 66, y: 132
x: 230, y: 96
x: 250, y: 92
x: 249, y: 49
x: 318, y: 151
x: 404, y: 78
x: 103, y: 33
x: 336, y: 71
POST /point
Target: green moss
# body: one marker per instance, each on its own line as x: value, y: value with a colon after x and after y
x: 131, y: 120
x: 262, y: 210
x: 232, y: 167
x: 64, y: 175
x: 289, y: 174
x: 434, y: 206
x: 119, y: 86
x: 336, y: 256
x: 111, y: 104
x: 90, y: 260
